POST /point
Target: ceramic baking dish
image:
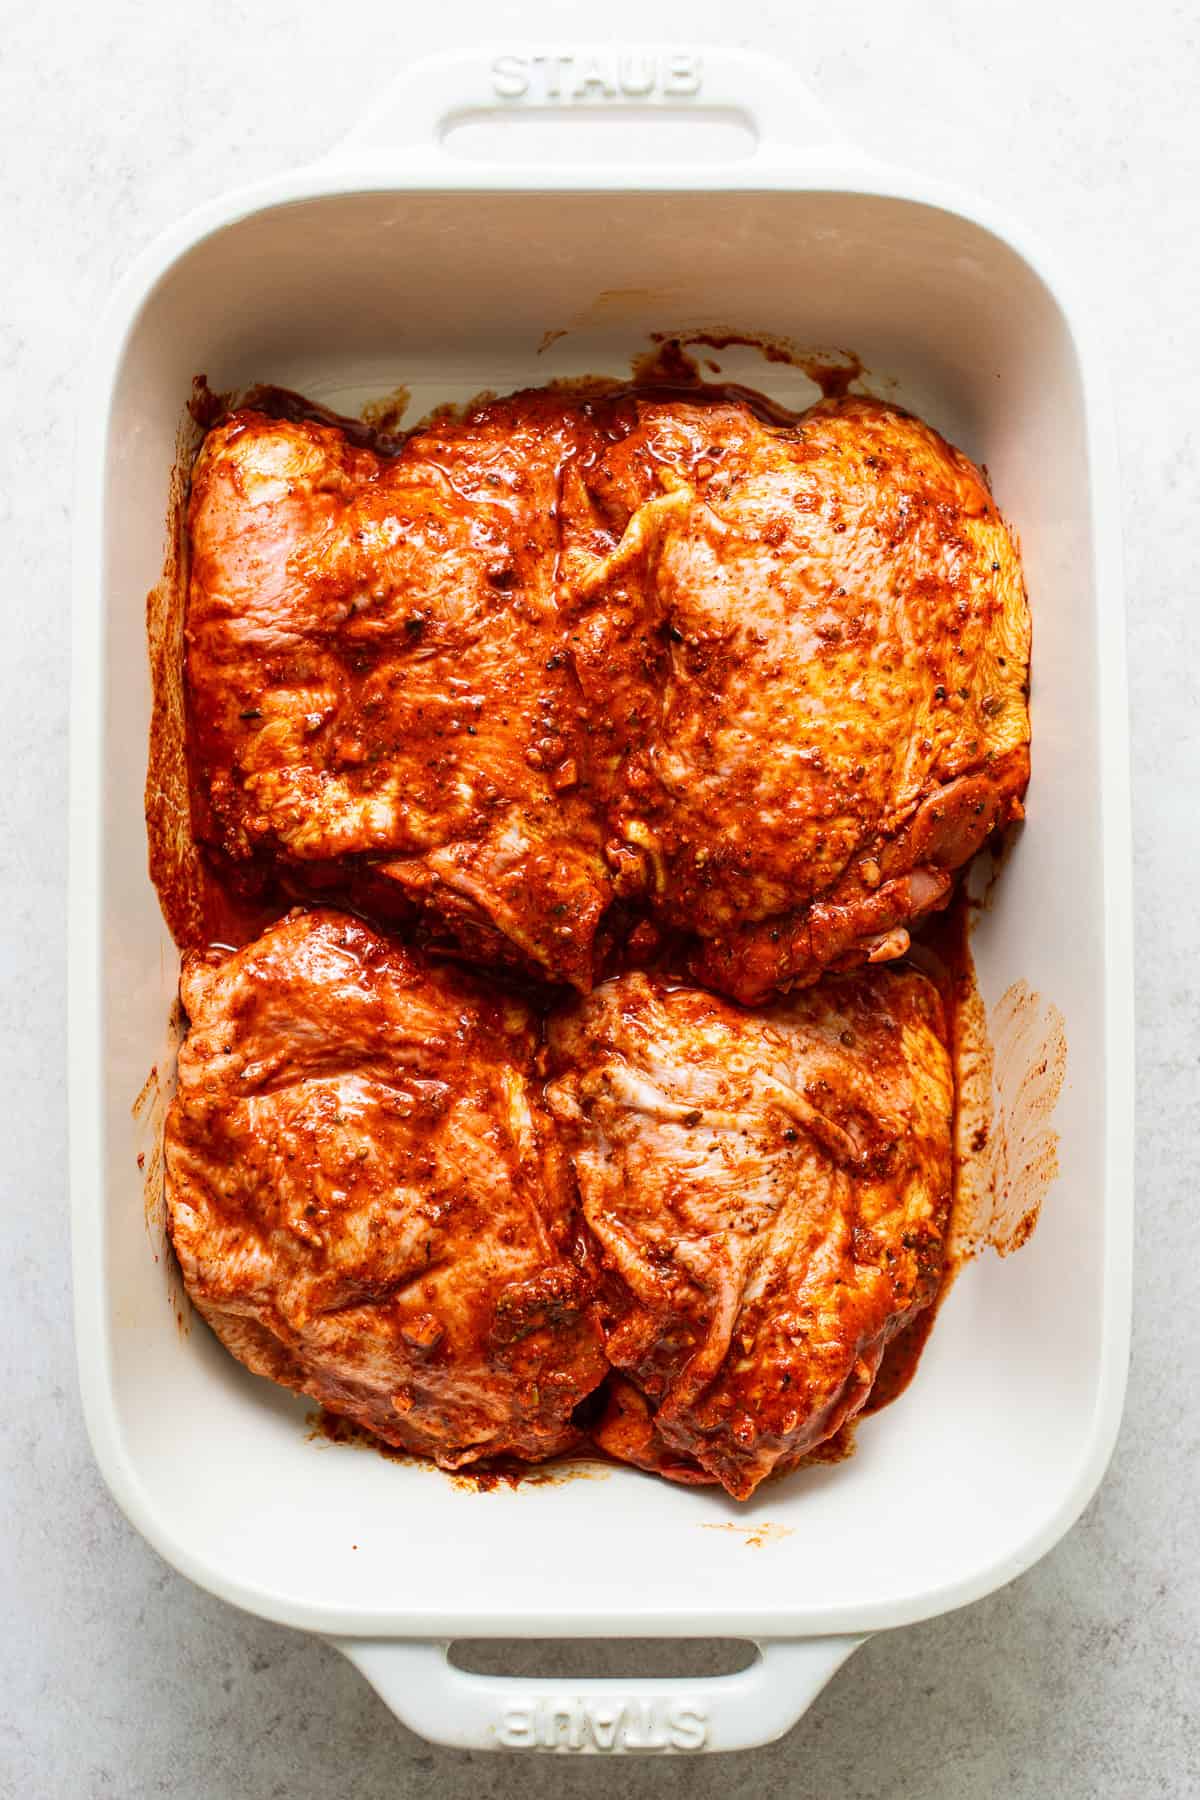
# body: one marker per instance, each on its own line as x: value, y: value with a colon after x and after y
x: 683, y: 191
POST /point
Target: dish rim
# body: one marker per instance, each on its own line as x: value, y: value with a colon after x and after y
x: 358, y: 174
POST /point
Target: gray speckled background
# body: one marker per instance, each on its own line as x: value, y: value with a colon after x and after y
x: 117, y: 1678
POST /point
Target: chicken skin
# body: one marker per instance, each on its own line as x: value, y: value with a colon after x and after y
x: 770, y: 1194
x: 831, y: 715
x: 380, y: 703
x: 764, y: 682
x: 365, y: 1198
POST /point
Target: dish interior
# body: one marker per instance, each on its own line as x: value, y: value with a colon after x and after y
x: 344, y: 298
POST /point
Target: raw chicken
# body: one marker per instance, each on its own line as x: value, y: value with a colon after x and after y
x: 766, y: 682
x: 770, y: 1194
x: 365, y: 1198
x: 834, y: 716
x: 380, y: 703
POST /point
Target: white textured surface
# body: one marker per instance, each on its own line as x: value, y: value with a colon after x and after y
x: 116, y: 1677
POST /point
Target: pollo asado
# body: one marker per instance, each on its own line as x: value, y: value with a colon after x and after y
x: 769, y: 1192
x: 366, y: 1201
x: 575, y: 658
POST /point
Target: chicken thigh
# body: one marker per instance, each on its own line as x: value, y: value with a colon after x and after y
x: 817, y: 639
x: 365, y: 1199
x: 770, y: 1194
x: 765, y: 681
x: 380, y: 703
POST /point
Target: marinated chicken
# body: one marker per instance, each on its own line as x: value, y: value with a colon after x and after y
x: 365, y: 1198
x: 766, y: 683
x: 381, y: 706
x: 770, y: 1194
x: 582, y: 681
x: 819, y: 640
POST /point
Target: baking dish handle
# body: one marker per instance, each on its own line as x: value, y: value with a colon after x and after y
x: 580, y: 85
x: 658, y: 1716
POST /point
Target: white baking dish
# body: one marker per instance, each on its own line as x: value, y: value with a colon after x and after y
x: 400, y: 260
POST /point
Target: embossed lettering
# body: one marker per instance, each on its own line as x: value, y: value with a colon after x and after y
x: 688, y: 1726
x: 682, y: 75
x: 563, y: 1723
x: 562, y: 1726
x: 604, y: 1721
x: 553, y: 68
x: 510, y: 77
x: 642, y: 1730
x: 553, y: 75
x: 637, y: 76
x: 516, y: 1728
x: 592, y: 79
